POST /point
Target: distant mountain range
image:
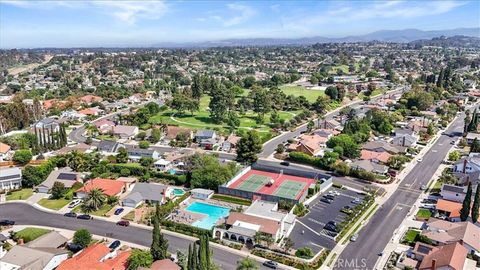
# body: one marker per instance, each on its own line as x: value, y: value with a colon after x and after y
x: 397, y: 36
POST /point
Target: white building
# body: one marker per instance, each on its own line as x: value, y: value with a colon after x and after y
x: 162, y: 165
x: 10, y: 178
x: 200, y: 193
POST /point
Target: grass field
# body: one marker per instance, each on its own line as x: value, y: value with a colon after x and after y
x: 310, y: 95
x: 424, y: 214
x: 22, y: 194
x: 29, y: 234
x: 410, y: 236
x: 202, y: 120
x: 53, y: 204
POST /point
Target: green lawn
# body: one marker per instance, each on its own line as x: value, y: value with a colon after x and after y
x: 130, y: 216
x: 53, y: 204
x: 202, y: 120
x: 310, y: 95
x: 344, y: 68
x: 410, y: 236
x: 22, y: 194
x: 30, y: 234
x: 100, y: 212
x: 424, y: 214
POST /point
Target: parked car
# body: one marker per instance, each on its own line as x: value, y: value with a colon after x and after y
x: 330, y: 227
x: 85, y: 217
x: 356, y: 201
x: 114, y: 245
x: 354, y: 237
x: 70, y: 214
x: 325, y: 200
x: 285, y: 163
x: 124, y: 223
x: 271, y: 264
x: 423, y: 187
x: 7, y: 222
x: 74, y: 247
x: 74, y: 203
x: 118, y: 211
x: 329, y: 196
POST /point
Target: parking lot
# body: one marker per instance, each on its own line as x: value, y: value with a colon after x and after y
x: 309, y: 231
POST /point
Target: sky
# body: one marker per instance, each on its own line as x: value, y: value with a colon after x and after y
x: 73, y: 23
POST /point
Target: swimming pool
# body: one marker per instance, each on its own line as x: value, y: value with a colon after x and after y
x: 178, y: 192
x: 213, y: 212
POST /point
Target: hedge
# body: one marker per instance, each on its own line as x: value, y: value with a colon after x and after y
x: 231, y: 199
x: 283, y: 259
x: 178, y: 179
x: 134, y: 168
x: 185, y: 229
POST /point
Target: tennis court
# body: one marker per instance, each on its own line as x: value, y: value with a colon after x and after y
x: 254, y: 182
x: 289, y: 189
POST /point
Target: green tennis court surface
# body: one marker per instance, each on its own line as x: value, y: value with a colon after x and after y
x: 289, y: 189
x: 254, y: 182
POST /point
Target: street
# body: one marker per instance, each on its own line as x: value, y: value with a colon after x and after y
x: 379, y: 230
x: 24, y: 214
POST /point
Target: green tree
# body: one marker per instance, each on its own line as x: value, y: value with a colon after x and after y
x: 22, y: 157
x: 247, y: 264
x: 261, y: 101
x: 248, y: 147
x: 182, y: 260
x: 204, y: 171
x: 144, y: 144
x: 31, y: 176
x: 454, y: 156
x: 475, y: 147
x: 472, y: 126
x: 82, y: 237
x: 156, y: 135
x: 58, y: 190
x: 159, y: 245
x: 280, y: 148
x: 350, y: 147
x: 465, y: 211
x: 332, y: 92
x: 139, y: 258
x: 122, y: 155
x: 321, y: 104
x: 146, y: 161
x: 476, y: 205
x: 95, y: 199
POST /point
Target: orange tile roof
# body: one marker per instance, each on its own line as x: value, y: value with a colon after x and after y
x: 164, y: 264
x: 451, y: 256
x: 380, y: 156
x: 449, y: 206
x: 90, y: 98
x: 266, y: 225
x: 4, y: 148
x: 108, y: 186
x: 90, y: 258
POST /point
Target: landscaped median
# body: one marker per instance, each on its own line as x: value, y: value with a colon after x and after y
x: 356, y: 216
x: 298, y: 263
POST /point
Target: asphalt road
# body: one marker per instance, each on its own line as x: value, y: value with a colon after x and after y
x: 24, y: 214
x: 363, y: 254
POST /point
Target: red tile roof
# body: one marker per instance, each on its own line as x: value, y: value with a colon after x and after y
x: 108, y: 186
x: 450, y: 256
x: 90, y: 258
x: 449, y: 206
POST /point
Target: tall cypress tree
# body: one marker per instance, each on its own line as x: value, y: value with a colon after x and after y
x: 155, y: 248
x: 202, y: 258
x: 476, y: 204
x: 474, y: 122
x: 64, y: 136
x: 45, y: 143
x: 465, y: 211
x: 194, y: 258
x: 189, y: 258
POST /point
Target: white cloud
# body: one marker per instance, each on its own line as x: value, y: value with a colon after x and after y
x: 126, y: 11
x: 242, y: 14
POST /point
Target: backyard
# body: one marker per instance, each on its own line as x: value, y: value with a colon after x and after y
x: 21, y: 194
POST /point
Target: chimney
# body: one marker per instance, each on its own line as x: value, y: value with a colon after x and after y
x: 434, y: 264
x: 464, y: 165
x: 403, y: 141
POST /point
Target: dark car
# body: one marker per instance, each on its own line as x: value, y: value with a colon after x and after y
x: 85, y: 217
x: 330, y: 227
x: 115, y: 244
x: 70, y: 214
x: 118, y: 211
x: 271, y: 264
x: 7, y: 222
x: 285, y: 163
x: 330, y: 196
x: 124, y: 223
x: 325, y: 200
x: 74, y: 247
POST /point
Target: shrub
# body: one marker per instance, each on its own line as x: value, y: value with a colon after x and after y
x: 305, y: 253
x: 22, y: 157
x: 231, y: 199
x: 82, y: 237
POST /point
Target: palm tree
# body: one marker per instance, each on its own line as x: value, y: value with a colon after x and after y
x: 95, y: 199
x: 247, y: 264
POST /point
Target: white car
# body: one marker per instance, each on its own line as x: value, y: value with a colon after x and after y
x: 74, y: 203
x: 419, y: 159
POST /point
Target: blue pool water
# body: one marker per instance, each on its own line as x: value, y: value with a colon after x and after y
x: 213, y: 212
x: 178, y: 192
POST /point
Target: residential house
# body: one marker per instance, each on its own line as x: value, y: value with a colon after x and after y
x: 52, y: 239
x: 146, y: 192
x: 125, y: 132
x: 327, y: 133
x: 81, y: 148
x: 64, y: 175
x: 173, y: 131
x: 330, y: 124
x: 109, y: 187
x: 448, y: 209
x: 471, y: 137
x: 47, y: 124
x: 405, y: 138
x: 205, y: 134
x: 136, y: 153
x: 89, y: 99
x: 452, y: 256
x: 72, y: 115
x: 383, y: 146
x: 443, y: 232
x: 97, y: 256
x: 369, y: 166
x: 24, y: 257
x: 109, y: 147
x: 201, y: 193
x: 163, y: 165
x: 311, y: 145
x: 165, y: 264
x: 104, y: 126
x: 5, y: 151
x: 91, y: 112
x: 230, y: 143
x: 469, y: 164
x: 455, y: 193
x: 378, y: 157
x: 10, y: 178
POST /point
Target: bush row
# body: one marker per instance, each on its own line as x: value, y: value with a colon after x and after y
x: 316, y: 263
x: 231, y: 199
x: 185, y: 229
